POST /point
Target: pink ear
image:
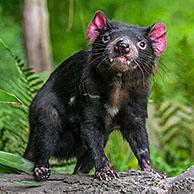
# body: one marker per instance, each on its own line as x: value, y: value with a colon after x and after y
x: 158, y: 36
x: 98, y: 22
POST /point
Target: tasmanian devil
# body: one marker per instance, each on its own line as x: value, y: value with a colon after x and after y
x: 95, y: 91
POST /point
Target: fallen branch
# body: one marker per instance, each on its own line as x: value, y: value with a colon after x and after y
x: 133, y: 182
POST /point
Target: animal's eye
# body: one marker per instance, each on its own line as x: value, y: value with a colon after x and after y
x: 105, y: 38
x: 141, y: 44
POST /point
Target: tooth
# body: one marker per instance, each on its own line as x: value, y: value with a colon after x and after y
x: 111, y: 60
x: 128, y: 62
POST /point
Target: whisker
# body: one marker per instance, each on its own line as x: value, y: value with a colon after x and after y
x: 142, y: 72
x: 98, y: 49
x: 98, y: 44
x: 95, y: 60
x: 146, y: 66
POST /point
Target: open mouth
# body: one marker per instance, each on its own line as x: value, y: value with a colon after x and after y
x: 123, y: 63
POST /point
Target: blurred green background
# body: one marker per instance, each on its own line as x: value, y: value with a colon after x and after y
x: 171, y: 107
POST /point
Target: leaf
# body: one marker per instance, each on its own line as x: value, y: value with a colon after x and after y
x: 25, y: 85
x: 28, y: 183
x: 15, y: 161
x: 6, y: 170
x: 6, y: 97
x: 171, y: 127
x: 20, y: 183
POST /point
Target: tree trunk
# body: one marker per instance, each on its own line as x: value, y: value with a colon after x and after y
x: 36, y: 35
x: 133, y: 182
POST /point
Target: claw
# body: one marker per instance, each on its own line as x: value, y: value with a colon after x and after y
x: 151, y: 170
x: 106, y: 175
x: 114, y: 174
x: 41, y: 173
x: 162, y: 175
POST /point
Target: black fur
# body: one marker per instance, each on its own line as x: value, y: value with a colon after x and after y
x: 69, y: 117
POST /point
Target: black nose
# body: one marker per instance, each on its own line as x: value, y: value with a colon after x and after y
x: 122, y: 46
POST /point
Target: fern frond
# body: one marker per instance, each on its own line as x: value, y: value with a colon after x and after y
x: 171, y: 126
x: 25, y: 87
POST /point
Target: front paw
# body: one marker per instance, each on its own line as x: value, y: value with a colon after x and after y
x: 150, y: 169
x: 106, y: 174
x: 41, y: 173
x: 146, y: 166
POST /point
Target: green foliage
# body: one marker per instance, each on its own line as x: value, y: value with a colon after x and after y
x: 171, y: 130
x: 14, y: 161
x: 14, y: 118
x: 24, y: 184
x: 185, y: 71
x: 6, y: 97
x: 11, y: 32
x: 120, y: 154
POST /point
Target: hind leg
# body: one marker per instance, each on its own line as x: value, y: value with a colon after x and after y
x: 41, y: 170
x: 45, y: 134
x: 84, y: 164
x: 43, y: 151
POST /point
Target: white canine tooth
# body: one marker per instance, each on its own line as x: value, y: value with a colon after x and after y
x: 134, y: 67
x: 111, y: 60
x: 128, y: 62
x: 72, y: 101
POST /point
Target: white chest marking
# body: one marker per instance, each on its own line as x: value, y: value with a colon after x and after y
x: 71, y: 101
x: 91, y: 96
x: 113, y: 111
